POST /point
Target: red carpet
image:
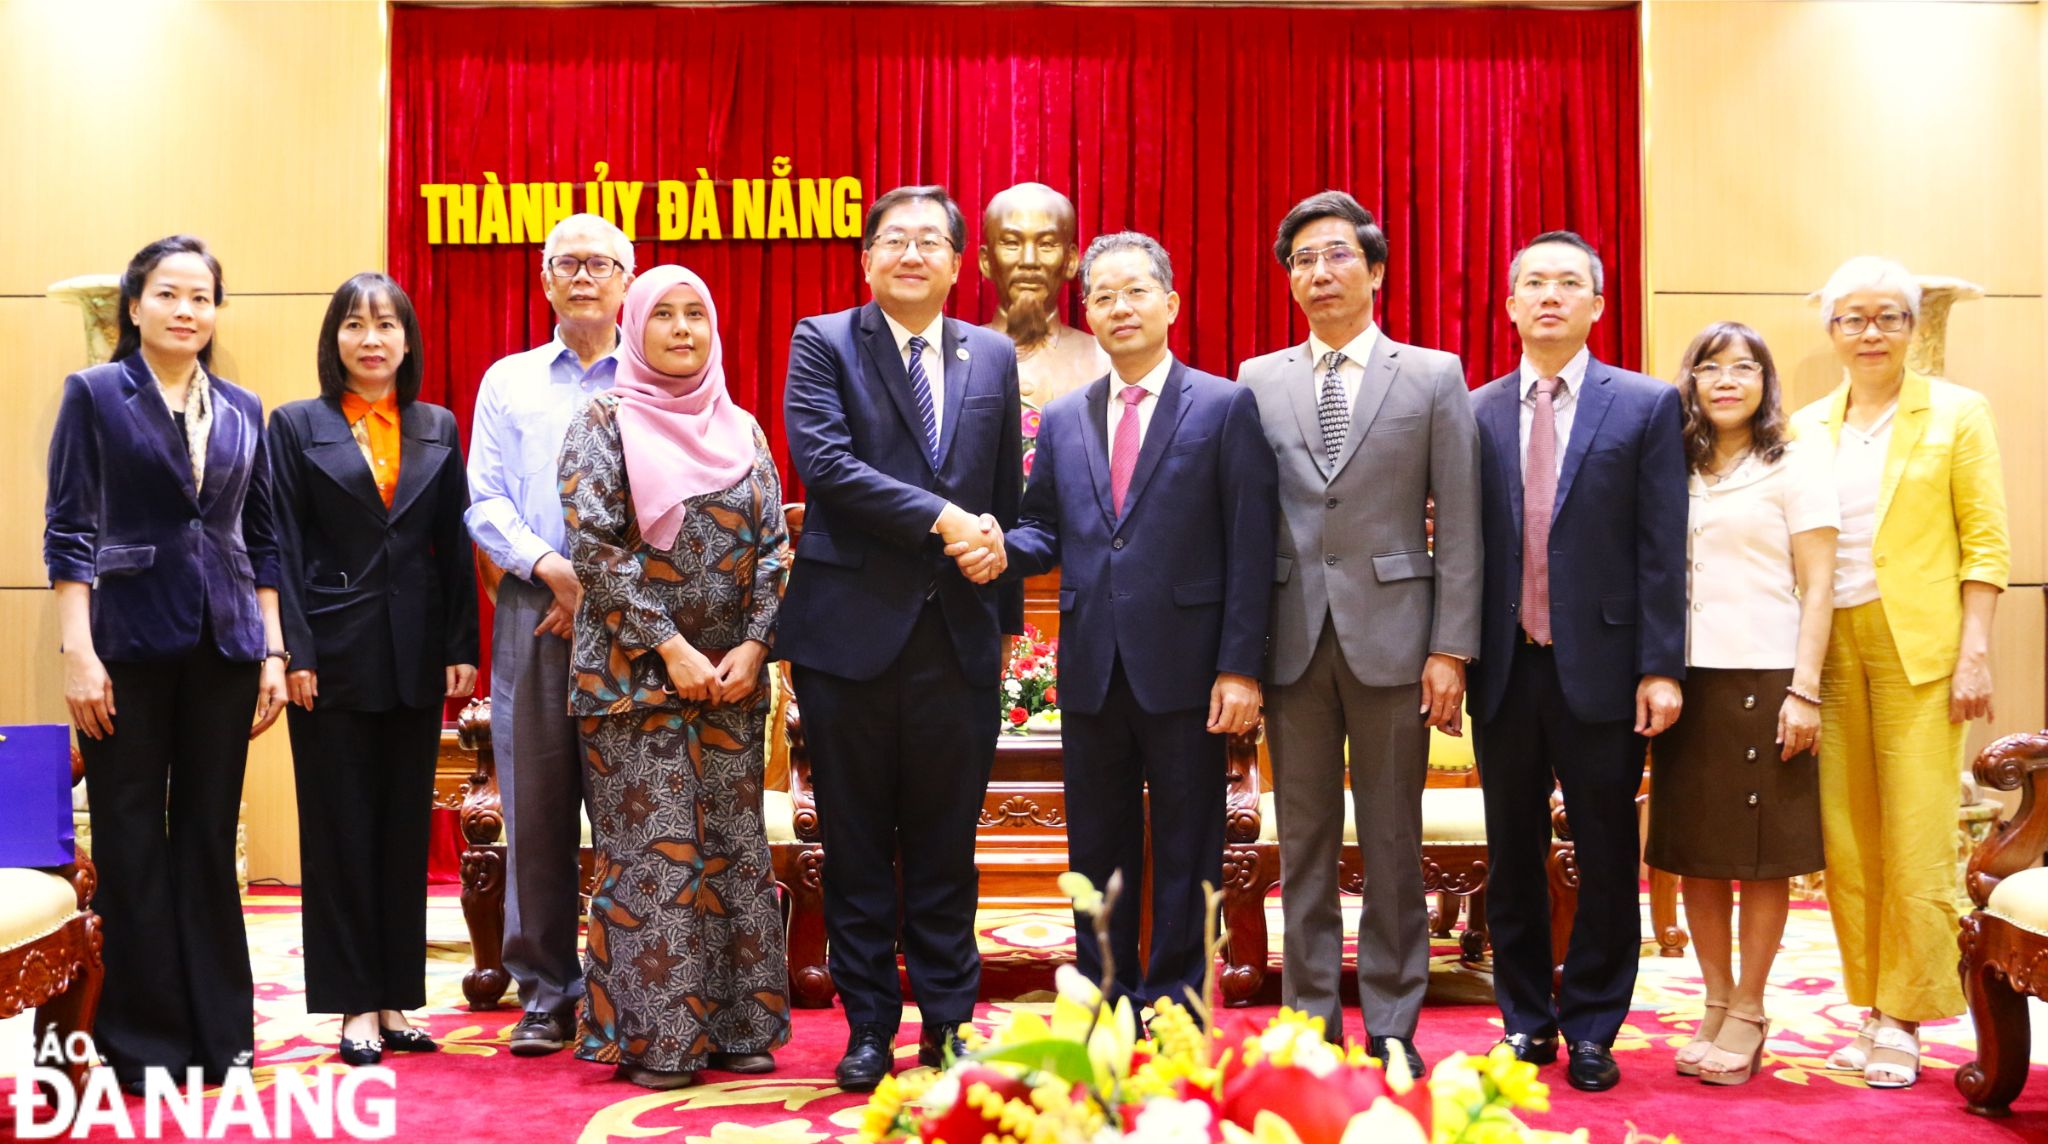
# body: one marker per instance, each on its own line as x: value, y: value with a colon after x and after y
x: 475, y: 1091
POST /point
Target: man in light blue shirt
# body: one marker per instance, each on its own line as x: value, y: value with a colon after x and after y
x: 515, y: 515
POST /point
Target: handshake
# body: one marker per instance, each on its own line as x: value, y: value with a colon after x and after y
x: 974, y: 542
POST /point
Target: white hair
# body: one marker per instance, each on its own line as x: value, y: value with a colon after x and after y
x: 622, y: 248
x: 1868, y: 272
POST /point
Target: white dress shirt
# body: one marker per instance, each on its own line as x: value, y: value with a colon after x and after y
x: 1564, y: 403
x: 1859, y: 476
x: 1744, y: 607
x: 1154, y: 382
x: 522, y: 416
x: 934, y: 358
x: 1350, y: 371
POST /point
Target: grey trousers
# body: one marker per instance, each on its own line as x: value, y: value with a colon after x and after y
x: 540, y: 780
x: 1307, y: 723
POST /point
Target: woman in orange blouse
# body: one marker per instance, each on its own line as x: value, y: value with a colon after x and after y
x: 379, y: 609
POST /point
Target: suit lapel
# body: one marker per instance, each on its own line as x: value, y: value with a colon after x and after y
x: 1301, y: 394
x: 1095, y: 442
x: 1372, y: 393
x: 223, y: 444
x: 419, y: 460
x: 1501, y: 419
x: 333, y: 450
x: 1909, y: 425
x: 1594, y: 398
x: 954, y: 368
x: 885, y: 369
x: 152, y: 422
x: 1173, y: 406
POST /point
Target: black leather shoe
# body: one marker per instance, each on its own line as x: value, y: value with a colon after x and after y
x: 1385, y: 1047
x: 935, y: 1041
x: 1592, y: 1068
x: 1537, y: 1049
x: 748, y: 1063
x: 358, y: 1053
x: 867, y: 1059
x: 408, y: 1041
x: 655, y: 1078
x: 538, y: 1034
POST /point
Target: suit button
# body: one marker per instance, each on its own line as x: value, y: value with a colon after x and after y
x: 1880, y: 562
x: 1752, y: 798
x: 194, y: 525
x: 1330, y: 559
x: 1331, y: 503
x: 1117, y: 543
x: 1748, y: 702
x: 1699, y: 607
x: 1750, y: 754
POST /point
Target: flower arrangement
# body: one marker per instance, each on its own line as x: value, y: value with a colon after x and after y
x: 1030, y: 694
x: 1090, y: 1073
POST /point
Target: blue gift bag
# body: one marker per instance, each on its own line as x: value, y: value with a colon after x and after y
x: 35, y: 795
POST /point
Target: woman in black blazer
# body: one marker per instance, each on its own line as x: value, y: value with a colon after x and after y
x: 379, y: 609
x: 159, y: 544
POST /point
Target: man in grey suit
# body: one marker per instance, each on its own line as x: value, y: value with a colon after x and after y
x: 1371, y: 626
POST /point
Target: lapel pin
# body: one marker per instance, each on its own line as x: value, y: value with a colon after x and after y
x: 961, y: 353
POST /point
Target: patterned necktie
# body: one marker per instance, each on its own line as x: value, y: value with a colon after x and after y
x: 1332, y: 411
x: 921, y: 389
x: 1123, y: 455
x: 1539, y: 497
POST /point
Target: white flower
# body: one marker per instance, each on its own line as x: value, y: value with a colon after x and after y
x: 1012, y: 688
x: 941, y: 1095
x: 1169, y: 1121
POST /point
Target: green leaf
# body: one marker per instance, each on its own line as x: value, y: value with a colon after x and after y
x: 1067, y: 1060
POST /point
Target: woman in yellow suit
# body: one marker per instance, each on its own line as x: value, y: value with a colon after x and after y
x: 1921, y: 559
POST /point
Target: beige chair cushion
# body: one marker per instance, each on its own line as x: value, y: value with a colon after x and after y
x: 2022, y: 900
x: 1450, y: 815
x: 778, y: 815
x: 33, y: 904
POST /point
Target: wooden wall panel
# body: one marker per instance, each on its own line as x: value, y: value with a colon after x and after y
x: 1784, y: 137
x: 2018, y: 677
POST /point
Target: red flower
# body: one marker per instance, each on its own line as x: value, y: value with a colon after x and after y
x: 1029, y: 456
x: 1052, y: 696
x: 1027, y: 665
x: 1041, y: 649
x: 963, y: 1121
x: 1018, y: 715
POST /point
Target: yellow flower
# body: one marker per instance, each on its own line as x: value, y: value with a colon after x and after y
x: 1267, y: 1128
x: 1082, y: 892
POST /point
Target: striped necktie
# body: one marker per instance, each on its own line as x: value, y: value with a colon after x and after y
x: 1332, y: 411
x: 921, y: 390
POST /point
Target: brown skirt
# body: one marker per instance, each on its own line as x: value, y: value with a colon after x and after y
x: 1722, y: 803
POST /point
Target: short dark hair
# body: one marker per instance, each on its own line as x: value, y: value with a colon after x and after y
x: 366, y: 287
x: 1332, y: 204
x: 133, y: 279
x: 1568, y: 238
x: 1766, y: 428
x: 956, y: 223
x: 1162, y: 266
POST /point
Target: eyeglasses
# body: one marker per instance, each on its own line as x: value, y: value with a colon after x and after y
x: 1888, y: 322
x: 566, y: 266
x: 1744, y: 370
x: 1336, y: 256
x: 1537, y: 287
x: 1136, y: 297
x: 930, y: 244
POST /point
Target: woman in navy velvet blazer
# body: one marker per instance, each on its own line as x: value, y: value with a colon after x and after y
x: 160, y: 546
x: 380, y: 619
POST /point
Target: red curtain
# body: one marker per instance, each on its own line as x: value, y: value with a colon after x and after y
x: 1466, y: 131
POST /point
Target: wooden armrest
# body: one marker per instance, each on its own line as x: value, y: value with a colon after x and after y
x: 1241, y: 772
x: 481, y: 814
x: 2016, y: 762
x: 804, y: 802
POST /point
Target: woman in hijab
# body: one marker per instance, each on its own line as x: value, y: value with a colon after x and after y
x: 675, y: 527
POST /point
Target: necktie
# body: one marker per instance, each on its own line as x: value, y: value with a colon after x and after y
x: 1332, y: 411
x: 921, y: 390
x: 1123, y: 454
x: 1539, y: 497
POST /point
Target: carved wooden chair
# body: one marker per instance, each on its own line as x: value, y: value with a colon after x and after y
x: 2004, y: 940
x: 50, y: 945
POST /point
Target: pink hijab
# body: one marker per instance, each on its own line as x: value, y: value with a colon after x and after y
x: 682, y: 436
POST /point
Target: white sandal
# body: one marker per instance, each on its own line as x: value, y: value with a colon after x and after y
x: 1892, y: 1074
x: 1855, y: 1056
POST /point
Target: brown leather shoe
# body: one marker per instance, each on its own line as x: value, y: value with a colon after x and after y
x: 655, y: 1078
x: 748, y: 1063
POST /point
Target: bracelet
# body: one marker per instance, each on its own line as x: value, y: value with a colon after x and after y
x: 279, y: 653
x: 1795, y: 693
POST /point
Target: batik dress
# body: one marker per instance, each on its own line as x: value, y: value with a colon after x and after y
x: 685, y: 953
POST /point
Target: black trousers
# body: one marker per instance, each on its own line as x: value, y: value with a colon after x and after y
x: 365, y: 782
x: 166, y: 789
x: 1599, y: 767
x: 900, y: 764
x: 1111, y: 759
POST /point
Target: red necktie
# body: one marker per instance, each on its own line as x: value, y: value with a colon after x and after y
x: 1539, y: 497
x: 1123, y: 454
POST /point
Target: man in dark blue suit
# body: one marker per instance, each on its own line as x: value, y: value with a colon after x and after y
x: 903, y: 424
x: 1154, y: 492
x: 1582, y: 645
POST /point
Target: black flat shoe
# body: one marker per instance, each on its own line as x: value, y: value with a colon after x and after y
x: 1592, y: 1068
x: 744, y: 1063
x: 867, y: 1059
x: 1537, y: 1049
x: 408, y: 1041
x: 358, y: 1053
